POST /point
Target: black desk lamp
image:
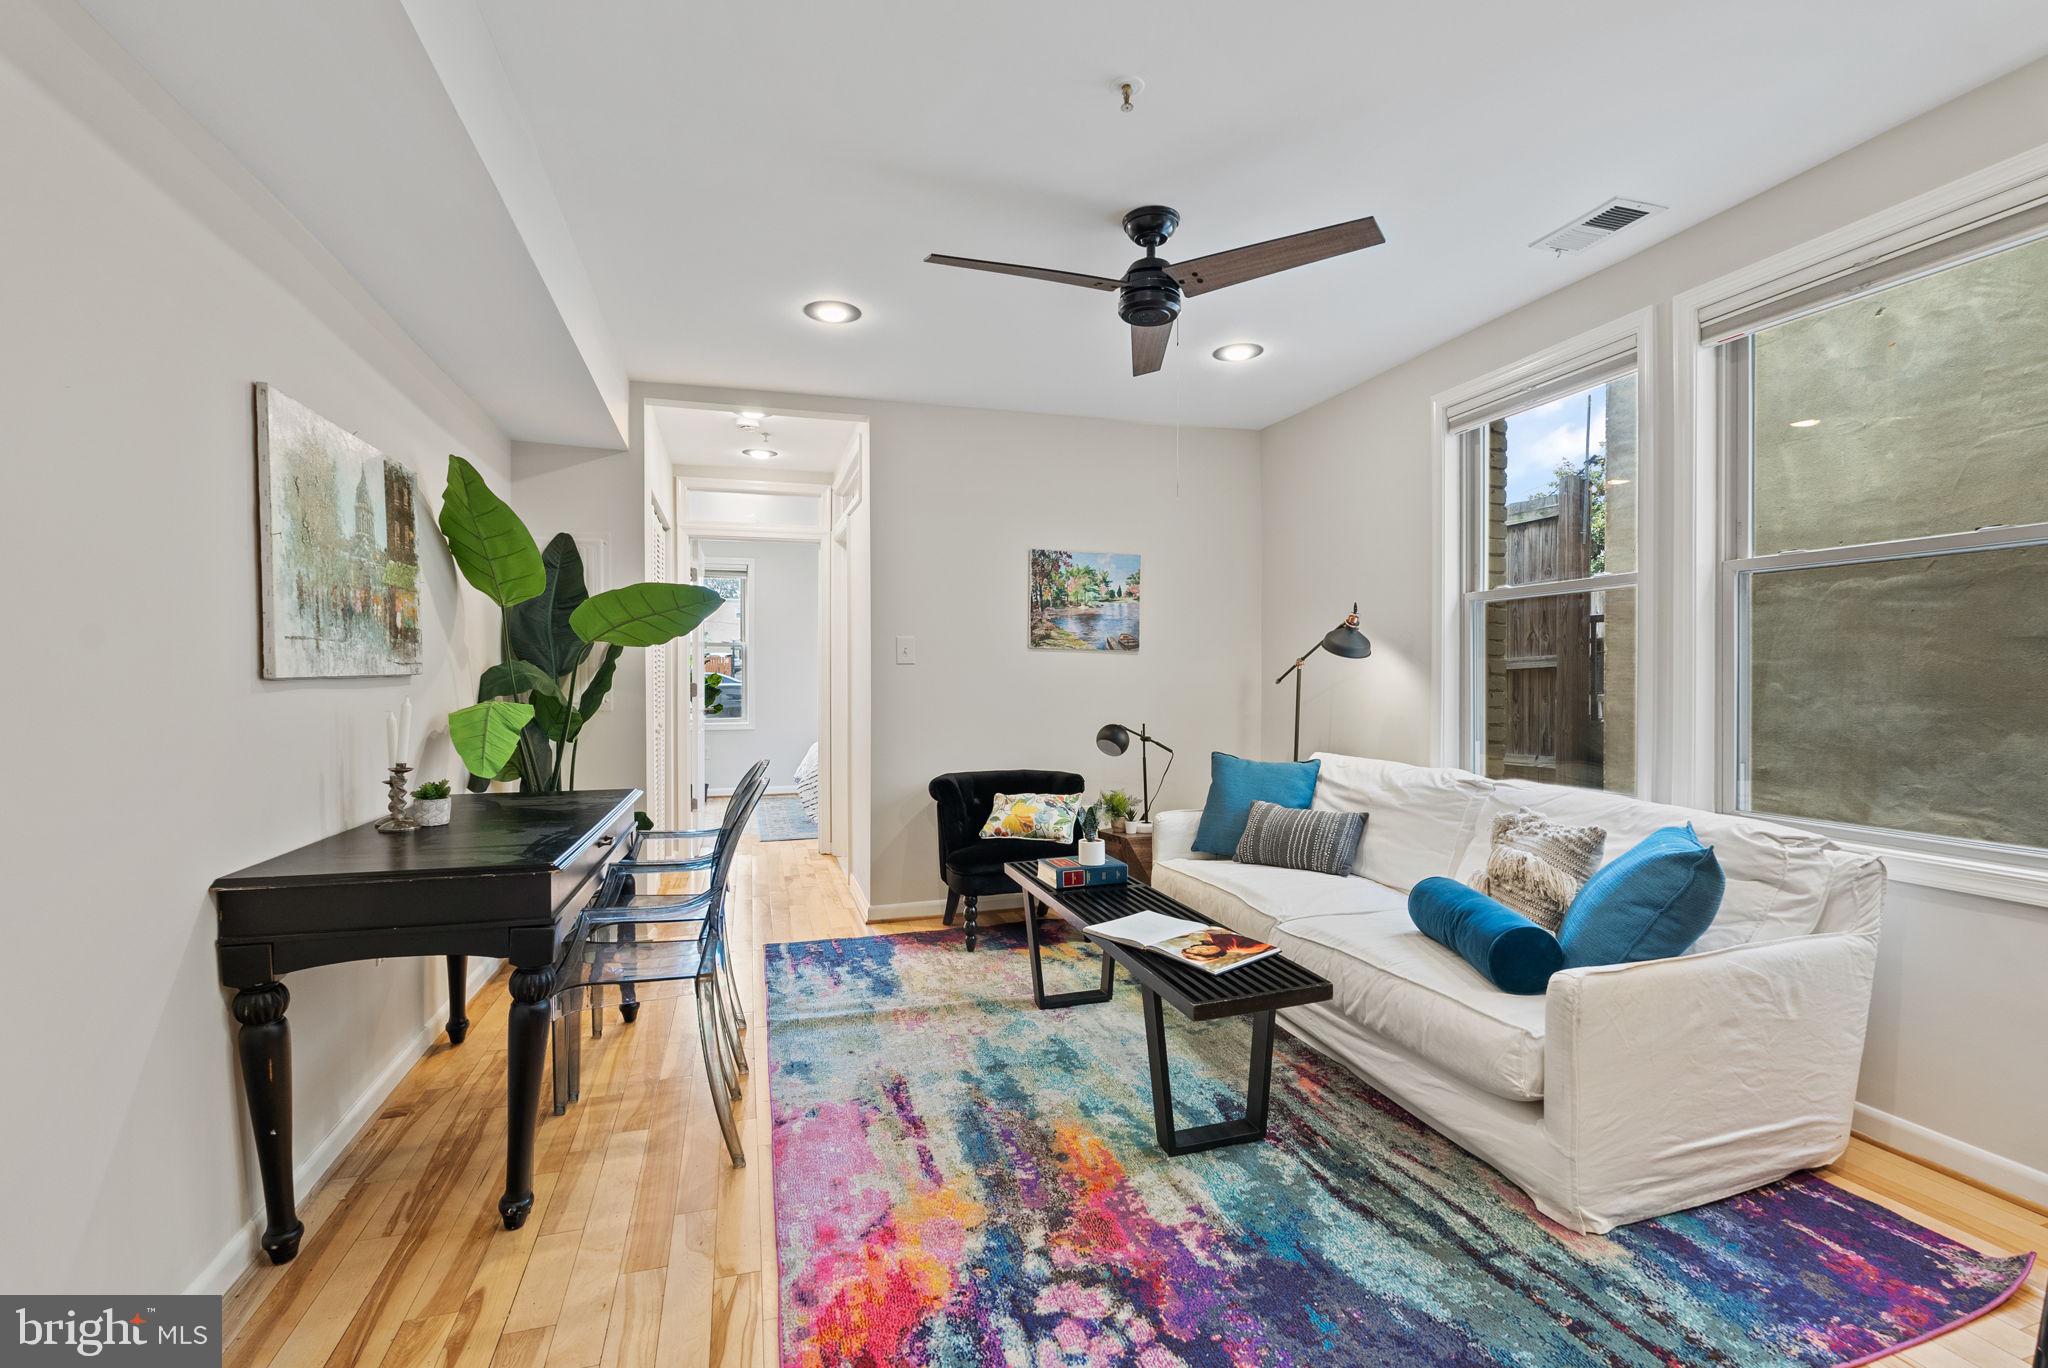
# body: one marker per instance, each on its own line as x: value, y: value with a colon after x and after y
x: 1115, y: 739
x: 1342, y: 640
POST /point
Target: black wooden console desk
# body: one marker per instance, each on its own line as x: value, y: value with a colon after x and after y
x: 507, y: 877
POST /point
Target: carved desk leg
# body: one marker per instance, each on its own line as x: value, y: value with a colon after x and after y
x: 458, y: 998
x: 265, y: 1044
x: 526, y: 1047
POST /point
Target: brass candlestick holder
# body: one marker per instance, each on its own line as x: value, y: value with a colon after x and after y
x: 398, y: 821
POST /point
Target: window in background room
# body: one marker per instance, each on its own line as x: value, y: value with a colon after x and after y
x: 1550, y: 488
x: 725, y: 641
x: 1887, y: 584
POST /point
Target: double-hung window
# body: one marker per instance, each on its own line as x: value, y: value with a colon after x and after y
x: 725, y: 635
x: 1549, y: 482
x: 1884, y: 592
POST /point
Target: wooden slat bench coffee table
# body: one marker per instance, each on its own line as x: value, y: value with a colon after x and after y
x: 1255, y: 990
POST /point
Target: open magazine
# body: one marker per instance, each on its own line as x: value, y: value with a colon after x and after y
x: 1211, y: 949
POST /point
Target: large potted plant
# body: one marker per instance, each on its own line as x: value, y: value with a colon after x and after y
x: 533, y: 704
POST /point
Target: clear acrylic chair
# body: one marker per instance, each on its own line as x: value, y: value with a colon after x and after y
x: 622, y: 888
x: 609, y: 949
x: 660, y: 853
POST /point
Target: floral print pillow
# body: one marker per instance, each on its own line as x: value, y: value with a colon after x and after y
x: 1033, y: 817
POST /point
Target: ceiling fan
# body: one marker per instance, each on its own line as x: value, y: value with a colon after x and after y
x: 1150, y: 293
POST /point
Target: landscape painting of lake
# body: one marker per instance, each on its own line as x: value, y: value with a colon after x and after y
x: 1085, y: 601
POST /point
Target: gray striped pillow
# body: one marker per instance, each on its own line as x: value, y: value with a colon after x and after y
x: 1301, y: 838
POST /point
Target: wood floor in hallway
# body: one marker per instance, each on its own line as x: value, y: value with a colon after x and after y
x: 645, y: 1247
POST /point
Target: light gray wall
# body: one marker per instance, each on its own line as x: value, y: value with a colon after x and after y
x: 597, y: 497
x: 782, y: 665
x: 959, y: 497
x: 146, y: 290
x: 1347, y: 511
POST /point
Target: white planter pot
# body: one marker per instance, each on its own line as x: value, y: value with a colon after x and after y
x: 1093, y: 852
x: 430, y: 811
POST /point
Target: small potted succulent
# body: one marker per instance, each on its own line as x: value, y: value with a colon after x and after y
x: 430, y: 804
x: 1090, y: 847
x: 1118, y: 807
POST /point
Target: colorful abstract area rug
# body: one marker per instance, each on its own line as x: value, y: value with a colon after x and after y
x: 961, y: 1179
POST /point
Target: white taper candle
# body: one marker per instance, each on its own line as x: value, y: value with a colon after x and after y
x: 404, y: 734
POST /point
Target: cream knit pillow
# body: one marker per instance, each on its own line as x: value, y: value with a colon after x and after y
x: 1537, y: 867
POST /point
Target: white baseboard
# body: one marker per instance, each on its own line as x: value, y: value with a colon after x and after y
x: 859, y: 895
x: 1993, y: 1170
x: 936, y: 907
x: 245, y: 1246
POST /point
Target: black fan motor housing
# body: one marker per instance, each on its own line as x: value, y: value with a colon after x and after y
x: 1150, y: 298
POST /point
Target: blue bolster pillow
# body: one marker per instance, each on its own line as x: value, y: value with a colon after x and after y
x: 1515, y: 954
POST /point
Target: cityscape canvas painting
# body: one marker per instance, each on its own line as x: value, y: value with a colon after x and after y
x: 1085, y: 600
x: 340, y: 549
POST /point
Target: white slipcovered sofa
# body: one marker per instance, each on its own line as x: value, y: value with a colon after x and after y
x: 1623, y: 1092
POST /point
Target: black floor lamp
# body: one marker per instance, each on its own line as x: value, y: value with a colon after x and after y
x: 1114, y: 739
x: 1342, y: 640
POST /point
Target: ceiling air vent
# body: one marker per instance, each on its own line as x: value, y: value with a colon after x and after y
x: 1587, y: 229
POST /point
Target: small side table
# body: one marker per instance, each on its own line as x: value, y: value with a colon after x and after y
x: 1134, y: 849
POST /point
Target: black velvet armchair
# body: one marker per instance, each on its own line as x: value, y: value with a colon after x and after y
x: 972, y: 867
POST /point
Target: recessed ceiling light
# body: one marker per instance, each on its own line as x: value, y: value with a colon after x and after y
x: 831, y: 311
x: 1237, y: 351
x: 1807, y: 422
x: 760, y: 453
x: 749, y: 419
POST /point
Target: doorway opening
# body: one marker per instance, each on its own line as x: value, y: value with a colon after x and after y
x: 769, y: 511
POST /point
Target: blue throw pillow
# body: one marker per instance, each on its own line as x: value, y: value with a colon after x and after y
x: 1235, y: 784
x: 1515, y: 954
x: 1651, y: 903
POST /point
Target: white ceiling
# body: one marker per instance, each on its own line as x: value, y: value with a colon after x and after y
x: 718, y: 165
x: 722, y: 164
x: 711, y: 437
x: 338, y: 111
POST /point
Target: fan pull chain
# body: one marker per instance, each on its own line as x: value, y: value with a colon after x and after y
x: 1176, y: 414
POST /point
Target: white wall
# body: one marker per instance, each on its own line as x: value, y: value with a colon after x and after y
x: 596, y: 497
x: 1347, y: 500
x: 148, y: 286
x: 960, y: 496
x: 782, y: 664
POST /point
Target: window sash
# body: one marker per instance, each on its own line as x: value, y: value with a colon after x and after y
x: 1475, y: 596
x: 1739, y: 567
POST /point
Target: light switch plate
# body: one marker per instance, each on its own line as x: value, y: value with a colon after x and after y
x: 906, y: 650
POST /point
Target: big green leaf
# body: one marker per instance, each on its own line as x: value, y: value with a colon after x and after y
x: 491, y: 546
x: 600, y: 683
x: 535, y: 759
x: 515, y: 677
x: 644, y: 614
x: 486, y: 734
x: 547, y: 714
x: 539, y: 628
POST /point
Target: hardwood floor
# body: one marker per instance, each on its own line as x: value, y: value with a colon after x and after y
x: 645, y: 1247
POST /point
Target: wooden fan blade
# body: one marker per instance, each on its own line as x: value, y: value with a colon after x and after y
x: 1148, y: 348
x: 1032, y: 272
x: 1240, y: 264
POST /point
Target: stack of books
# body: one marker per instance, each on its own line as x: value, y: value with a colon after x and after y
x: 1067, y: 872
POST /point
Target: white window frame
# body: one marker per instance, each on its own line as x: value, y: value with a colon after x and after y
x: 729, y: 565
x: 1710, y: 546
x: 1460, y: 595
